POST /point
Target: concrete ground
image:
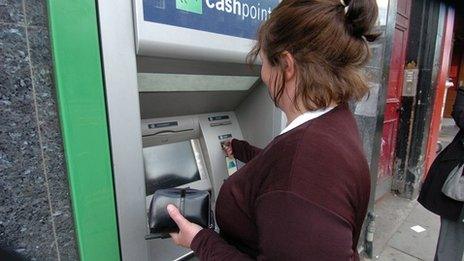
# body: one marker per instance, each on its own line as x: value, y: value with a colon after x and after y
x: 405, y: 231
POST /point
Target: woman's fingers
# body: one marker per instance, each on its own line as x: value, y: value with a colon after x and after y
x: 187, y: 229
x: 228, y: 149
x: 175, y: 238
x: 177, y: 216
x: 180, y: 221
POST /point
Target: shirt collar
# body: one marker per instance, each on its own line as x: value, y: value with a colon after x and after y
x: 307, y: 116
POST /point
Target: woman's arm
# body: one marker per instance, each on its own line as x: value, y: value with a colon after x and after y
x: 243, y: 151
x: 208, y: 245
x: 204, y: 242
x: 290, y: 228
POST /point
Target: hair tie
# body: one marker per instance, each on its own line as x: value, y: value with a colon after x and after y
x: 344, y: 5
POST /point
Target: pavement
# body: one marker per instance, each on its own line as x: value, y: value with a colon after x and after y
x: 405, y: 231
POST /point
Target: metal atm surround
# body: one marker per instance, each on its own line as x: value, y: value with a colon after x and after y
x: 123, y: 109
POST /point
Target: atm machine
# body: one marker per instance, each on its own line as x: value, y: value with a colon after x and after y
x: 177, y: 88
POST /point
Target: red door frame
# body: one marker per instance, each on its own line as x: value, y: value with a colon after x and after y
x: 439, y: 95
x: 394, y: 92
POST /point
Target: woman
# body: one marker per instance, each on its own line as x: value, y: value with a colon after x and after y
x: 450, y: 246
x: 303, y: 197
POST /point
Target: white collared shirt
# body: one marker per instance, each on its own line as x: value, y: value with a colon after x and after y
x: 307, y: 116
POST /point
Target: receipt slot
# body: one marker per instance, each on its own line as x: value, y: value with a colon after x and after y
x: 177, y: 88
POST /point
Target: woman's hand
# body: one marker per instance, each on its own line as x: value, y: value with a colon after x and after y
x: 187, y: 229
x: 228, y: 149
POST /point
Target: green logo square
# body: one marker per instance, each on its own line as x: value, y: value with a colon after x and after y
x: 192, y: 6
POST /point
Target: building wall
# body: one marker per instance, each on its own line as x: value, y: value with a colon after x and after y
x: 369, y: 112
x: 35, y: 211
x: 424, y: 49
x: 366, y: 112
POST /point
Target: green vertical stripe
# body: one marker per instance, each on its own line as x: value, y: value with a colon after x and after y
x: 81, y: 104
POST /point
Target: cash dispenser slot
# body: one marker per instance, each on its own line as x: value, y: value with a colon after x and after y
x: 220, y: 120
x: 163, y: 131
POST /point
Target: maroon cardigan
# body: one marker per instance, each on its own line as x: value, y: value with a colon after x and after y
x: 303, y: 197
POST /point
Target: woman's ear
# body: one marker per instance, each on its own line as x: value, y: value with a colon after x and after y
x: 289, y: 65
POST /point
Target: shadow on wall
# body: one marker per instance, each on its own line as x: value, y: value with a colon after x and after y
x: 10, y: 255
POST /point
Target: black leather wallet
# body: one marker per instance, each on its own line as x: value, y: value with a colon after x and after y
x: 193, y: 204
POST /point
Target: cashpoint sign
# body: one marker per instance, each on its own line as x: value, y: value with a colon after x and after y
x: 239, y: 18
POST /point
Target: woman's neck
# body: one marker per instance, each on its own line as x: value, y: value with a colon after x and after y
x: 292, y: 116
x: 292, y: 113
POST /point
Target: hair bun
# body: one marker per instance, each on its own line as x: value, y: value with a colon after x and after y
x: 361, y: 18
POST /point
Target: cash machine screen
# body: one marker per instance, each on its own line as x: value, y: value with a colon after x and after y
x: 169, y: 165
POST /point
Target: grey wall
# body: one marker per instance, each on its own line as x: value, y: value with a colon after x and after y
x: 369, y: 112
x: 258, y: 117
x: 35, y: 211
